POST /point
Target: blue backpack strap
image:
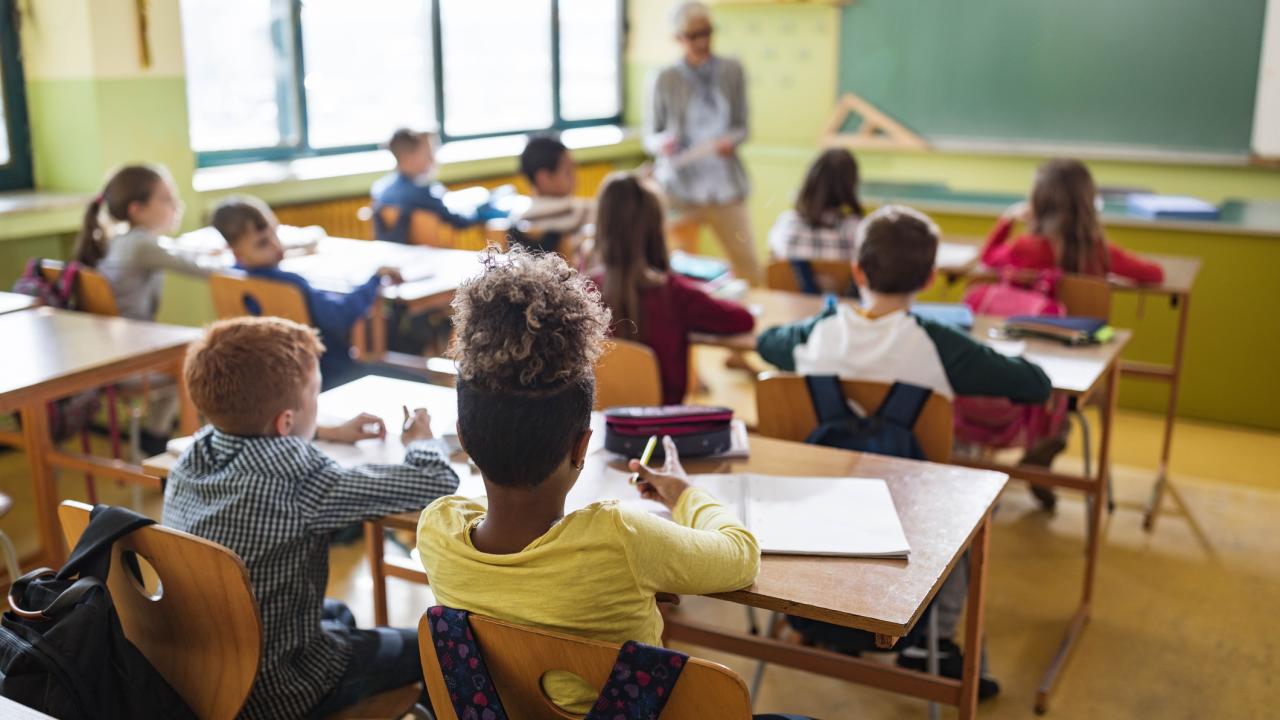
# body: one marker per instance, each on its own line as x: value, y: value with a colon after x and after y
x: 471, y: 690
x: 903, y: 405
x: 640, y: 684
x: 828, y: 398
x: 805, y: 278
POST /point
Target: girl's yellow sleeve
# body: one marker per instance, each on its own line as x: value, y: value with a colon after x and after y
x: 706, y: 549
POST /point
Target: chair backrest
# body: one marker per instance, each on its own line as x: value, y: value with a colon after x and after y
x: 518, y: 657
x: 93, y: 293
x: 233, y: 294
x: 626, y: 375
x: 832, y: 275
x: 784, y: 410
x: 202, y: 630
x: 1085, y: 296
x: 425, y: 228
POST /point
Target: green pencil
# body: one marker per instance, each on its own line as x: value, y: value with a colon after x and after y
x: 645, y: 456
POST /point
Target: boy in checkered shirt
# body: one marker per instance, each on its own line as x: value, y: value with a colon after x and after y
x: 253, y: 482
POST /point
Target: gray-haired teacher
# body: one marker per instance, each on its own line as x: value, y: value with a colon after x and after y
x: 697, y: 118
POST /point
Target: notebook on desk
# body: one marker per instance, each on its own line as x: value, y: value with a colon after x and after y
x: 839, y: 517
x: 845, y: 517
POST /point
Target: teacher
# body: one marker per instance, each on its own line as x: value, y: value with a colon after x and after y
x: 697, y: 118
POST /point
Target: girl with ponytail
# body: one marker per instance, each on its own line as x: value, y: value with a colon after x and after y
x: 121, y: 237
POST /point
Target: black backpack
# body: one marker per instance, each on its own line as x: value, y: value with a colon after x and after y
x: 888, y: 432
x: 62, y: 649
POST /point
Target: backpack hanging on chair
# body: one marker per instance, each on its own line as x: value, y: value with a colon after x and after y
x: 62, y: 648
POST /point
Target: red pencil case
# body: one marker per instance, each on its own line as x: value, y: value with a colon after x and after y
x: 697, y: 430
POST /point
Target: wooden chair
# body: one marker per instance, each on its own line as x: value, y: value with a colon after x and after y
x: 232, y: 294
x: 834, y: 276
x: 201, y: 630
x: 627, y: 374
x: 425, y: 228
x: 92, y: 291
x: 93, y: 294
x: 785, y: 411
x: 1085, y: 296
x: 518, y: 657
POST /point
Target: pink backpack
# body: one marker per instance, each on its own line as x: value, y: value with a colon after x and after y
x: 996, y: 422
x: 1009, y: 297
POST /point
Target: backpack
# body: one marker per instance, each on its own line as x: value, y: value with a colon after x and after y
x: 70, y: 415
x: 1009, y: 297
x: 888, y: 432
x: 62, y: 649
x: 638, y: 688
x: 59, y: 294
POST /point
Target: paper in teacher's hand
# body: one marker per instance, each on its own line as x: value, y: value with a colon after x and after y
x: 693, y: 154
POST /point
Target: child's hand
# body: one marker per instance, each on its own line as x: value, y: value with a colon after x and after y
x: 725, y: 147
x: 1018, y: 211
x: 670, y: 146
x: 665, y: 485
x: 360, y: 427
x: 391, y: 274
x: 417, y: 427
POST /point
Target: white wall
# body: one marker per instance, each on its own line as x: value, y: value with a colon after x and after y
x: 1266, y: 117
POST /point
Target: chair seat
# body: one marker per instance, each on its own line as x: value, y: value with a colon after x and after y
x: 383, y: 706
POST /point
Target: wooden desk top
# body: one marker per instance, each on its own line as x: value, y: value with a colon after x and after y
x: 941, y: 506
x: 341, y: 265
x: 13, y: 302
x: 1075, y: 370
x: 58, y: 347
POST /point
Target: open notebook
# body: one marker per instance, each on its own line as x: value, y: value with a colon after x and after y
x: 849, y: 517
x: 846, y: 517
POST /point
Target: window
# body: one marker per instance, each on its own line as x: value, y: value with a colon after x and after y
x: 277, y: 79
x: 15, y: 140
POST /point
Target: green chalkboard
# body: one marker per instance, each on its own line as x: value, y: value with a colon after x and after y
x: 1161, y: 75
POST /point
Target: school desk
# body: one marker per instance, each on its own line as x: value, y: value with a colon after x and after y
x: 341, y: 265
x: 1082, y: 373
x: 1179, y: 278
x: 13, y: 302
x: 57, y: 353
x: 945, y: 511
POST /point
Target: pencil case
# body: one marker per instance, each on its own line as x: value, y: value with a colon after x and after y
x: 697, y: 430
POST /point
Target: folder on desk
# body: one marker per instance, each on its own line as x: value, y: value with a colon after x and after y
x: 954, y: 314
x: 1171, y: 207
x: 843, y: 517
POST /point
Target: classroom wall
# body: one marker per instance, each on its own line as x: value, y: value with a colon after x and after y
x: 791, y: 55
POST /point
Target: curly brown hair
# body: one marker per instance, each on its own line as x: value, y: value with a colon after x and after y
x: 528, y: 323
x: 529, y: 332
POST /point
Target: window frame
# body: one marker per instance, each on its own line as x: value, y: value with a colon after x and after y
x: 16, y: 174
x: 293, y: 111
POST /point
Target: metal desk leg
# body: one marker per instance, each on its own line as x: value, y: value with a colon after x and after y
x: 974, y: 621
x: 1170, y: 413
x: 1093, y: 542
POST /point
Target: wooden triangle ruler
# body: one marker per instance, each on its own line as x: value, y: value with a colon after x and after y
x: 877, y: 132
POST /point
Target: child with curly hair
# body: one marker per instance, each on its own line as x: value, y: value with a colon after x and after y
x: 529, y: 331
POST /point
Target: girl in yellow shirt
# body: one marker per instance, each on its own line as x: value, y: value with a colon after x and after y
x: 529, y: 331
